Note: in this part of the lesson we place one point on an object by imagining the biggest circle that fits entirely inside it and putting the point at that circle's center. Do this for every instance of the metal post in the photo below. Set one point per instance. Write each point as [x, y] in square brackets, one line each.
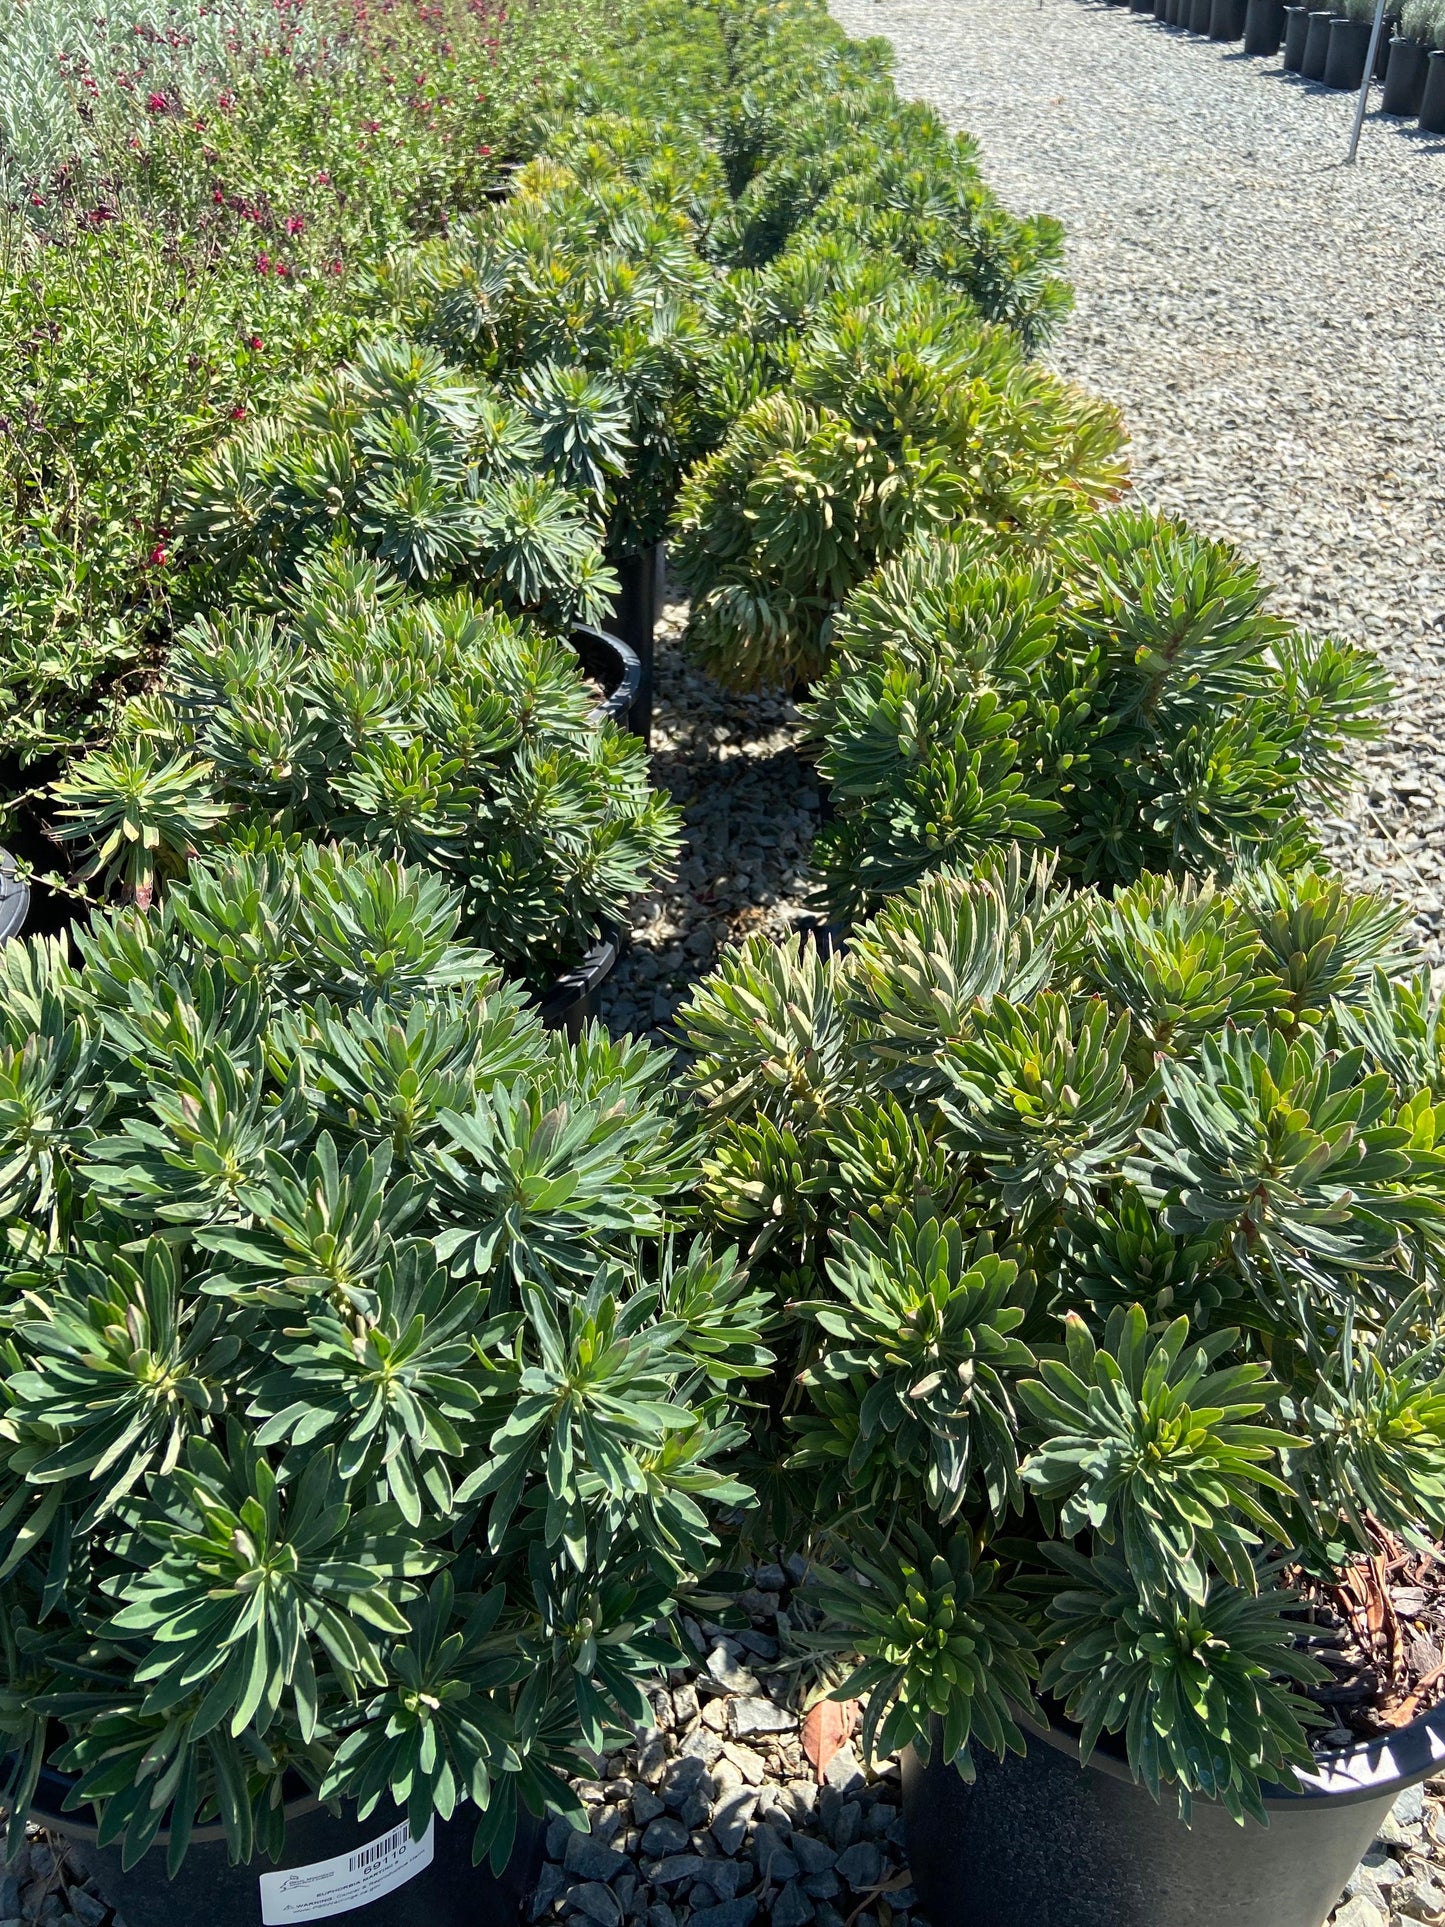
[1366, 83]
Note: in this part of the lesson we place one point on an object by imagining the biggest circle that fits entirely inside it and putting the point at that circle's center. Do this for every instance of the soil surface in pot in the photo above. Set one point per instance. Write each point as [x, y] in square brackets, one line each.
[1381, 1631]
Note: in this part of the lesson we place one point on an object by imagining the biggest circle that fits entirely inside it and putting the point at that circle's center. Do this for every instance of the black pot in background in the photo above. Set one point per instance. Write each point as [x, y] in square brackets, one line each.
[1199, 15]
[1161, 10]
[609, 661]
[1347, 53]
[1388, 30]
[574, 999]
[1432, 98]
[1042, 1842]
[1296, 31]
[1263, 27]
[1226, 19]
[1317, 43]
[449, 1892]
[1405, 78]
[636, 612]
[14, 898]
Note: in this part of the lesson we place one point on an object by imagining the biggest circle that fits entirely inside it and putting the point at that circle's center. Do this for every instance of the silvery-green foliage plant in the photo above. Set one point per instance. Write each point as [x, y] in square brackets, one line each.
[76, 79]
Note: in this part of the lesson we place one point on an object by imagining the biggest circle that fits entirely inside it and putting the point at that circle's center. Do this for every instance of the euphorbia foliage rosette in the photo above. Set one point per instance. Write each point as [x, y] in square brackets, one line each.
[361, 1416]
[1112, 1230]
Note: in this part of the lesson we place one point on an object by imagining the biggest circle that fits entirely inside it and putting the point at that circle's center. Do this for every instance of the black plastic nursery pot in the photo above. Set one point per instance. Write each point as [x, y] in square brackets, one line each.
[574, 998]
[1226, 19]
[367, 1873]
[1405, 78]
[1317, 44]
[635, 615]
[1141, 6]
[613, 666]
[1263, 27]
[1200, 14]
[1161, 11]
[1044, 1842]
[1432, 95]
[1296, 32]
[1347, 53]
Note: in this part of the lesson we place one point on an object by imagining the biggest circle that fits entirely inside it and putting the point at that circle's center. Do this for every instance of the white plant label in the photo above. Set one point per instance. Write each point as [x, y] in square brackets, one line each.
[338, 1886]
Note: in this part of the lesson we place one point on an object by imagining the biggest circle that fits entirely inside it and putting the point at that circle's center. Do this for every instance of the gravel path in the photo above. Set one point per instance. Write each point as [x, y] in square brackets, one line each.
[751, 807]
[1271, 321]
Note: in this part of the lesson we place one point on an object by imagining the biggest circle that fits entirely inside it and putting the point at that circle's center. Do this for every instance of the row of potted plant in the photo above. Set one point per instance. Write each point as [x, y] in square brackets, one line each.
[1072, 1295]
[366, 1412]
[1332, 44]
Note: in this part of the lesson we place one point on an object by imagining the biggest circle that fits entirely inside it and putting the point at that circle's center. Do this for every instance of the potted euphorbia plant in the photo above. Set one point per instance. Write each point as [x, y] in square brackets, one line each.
[1112, 1229]
[1122, 695]
[360, 1420]
[436, 730]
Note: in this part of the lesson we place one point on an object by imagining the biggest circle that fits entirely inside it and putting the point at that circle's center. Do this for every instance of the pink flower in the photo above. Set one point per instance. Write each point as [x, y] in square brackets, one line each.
[238, 413]
[323, 179]
[335, 267]
[156, 104]
[295, 223]
[219, 198]
[159, 556]
[263, 262]
[254, 344]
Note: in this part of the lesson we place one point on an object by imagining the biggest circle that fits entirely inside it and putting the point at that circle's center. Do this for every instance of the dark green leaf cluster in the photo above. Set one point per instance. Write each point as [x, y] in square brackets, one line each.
[437, 732]
[1113, 1229]
[361, 1414]
[439, 479]
[1121, 696]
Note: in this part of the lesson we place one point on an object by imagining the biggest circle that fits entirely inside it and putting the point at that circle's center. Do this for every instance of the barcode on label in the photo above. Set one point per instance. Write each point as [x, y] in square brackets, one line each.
[327, 1888]
[392, 1842]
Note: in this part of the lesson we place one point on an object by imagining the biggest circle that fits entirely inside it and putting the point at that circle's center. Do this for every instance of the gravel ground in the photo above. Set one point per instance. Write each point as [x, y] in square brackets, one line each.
[751, 806]
[1269, 319]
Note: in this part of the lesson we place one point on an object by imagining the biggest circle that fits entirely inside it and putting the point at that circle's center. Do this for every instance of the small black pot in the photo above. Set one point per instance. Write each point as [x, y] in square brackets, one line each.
[501, 187]
[1432, 97]
[1296, 31]
[1263, 27]
[447, 1891]
[635, 616]
[1161, 11]
[609, 661]
[1141, 6]
[1388, 29]
[1200, 14]
[1226, 19]
[1042, 1842]
[14, 899]
[1405, 78]
[575, 998]
[1347, 53]
[1317, 43]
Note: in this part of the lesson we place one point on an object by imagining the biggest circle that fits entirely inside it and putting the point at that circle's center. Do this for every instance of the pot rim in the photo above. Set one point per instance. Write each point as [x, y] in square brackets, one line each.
[14, 898]
[619, 700]
[46, 1810]
[1370, 1770]
[592, 969]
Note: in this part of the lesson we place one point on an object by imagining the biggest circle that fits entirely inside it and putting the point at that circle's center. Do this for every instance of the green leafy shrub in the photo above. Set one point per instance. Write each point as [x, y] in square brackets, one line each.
[196, 201]
[362, 1420]
[900, 418]
[1112, 1233]
[441, 481]
[592, 261]
[438, 732]
[1123, 697]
